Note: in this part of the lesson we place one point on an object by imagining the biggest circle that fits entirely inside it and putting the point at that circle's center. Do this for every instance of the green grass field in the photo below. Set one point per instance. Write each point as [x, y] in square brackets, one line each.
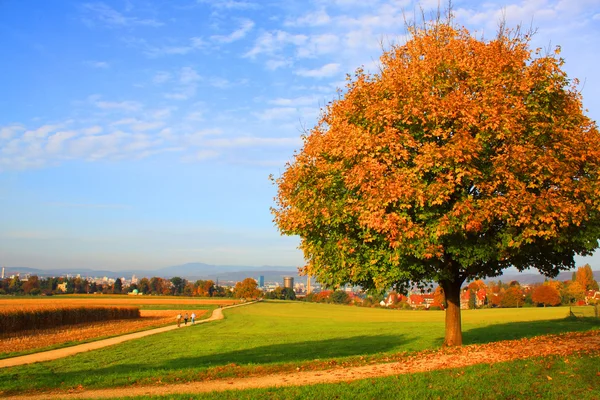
[279, 336]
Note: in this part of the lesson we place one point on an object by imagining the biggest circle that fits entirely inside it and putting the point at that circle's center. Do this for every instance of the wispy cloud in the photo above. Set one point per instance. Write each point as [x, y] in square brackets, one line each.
[229, 4]
[89, 205]
[251, 141]
[273, 42]
[108, 16]
[161, 77]
[246, 26]
[326, 71]
[187, 86]
[118, 105]
[313, 18]
[8, 132]
[97, 64]
[179, 48]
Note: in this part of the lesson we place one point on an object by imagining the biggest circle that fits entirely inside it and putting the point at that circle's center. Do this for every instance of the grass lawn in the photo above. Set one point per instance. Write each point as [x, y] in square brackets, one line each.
[545, 378]
[276, 336]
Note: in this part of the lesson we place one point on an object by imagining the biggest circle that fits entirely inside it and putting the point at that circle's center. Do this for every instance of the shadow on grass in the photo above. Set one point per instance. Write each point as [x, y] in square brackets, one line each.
[119, 374]
[519, 330]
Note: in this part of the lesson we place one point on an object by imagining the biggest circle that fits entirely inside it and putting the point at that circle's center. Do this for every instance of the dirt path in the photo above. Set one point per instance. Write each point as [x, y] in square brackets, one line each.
[490, 353]
[69, 351]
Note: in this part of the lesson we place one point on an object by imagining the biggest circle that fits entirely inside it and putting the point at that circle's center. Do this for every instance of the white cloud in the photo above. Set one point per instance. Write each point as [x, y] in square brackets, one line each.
[119, 105]
[320, 44]
[316, 18]
[188, 84]
[277, 113]
[229, 4]
[188, 75]
[8, 132]
[198, 138]
[272, 42]
[55, 142]
[153, 51]
[110, 17]
[325, 71]
[274, 64]
[161, 77]
[161, 113]
[92, 130]
[251, 141]
[296, 102]
[98, 64]
[41, 132]
[220, 83]
[238, 34]
[201, 155]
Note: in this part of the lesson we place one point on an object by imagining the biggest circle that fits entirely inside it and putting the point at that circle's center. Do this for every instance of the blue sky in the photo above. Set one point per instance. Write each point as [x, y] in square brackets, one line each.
[141, 134]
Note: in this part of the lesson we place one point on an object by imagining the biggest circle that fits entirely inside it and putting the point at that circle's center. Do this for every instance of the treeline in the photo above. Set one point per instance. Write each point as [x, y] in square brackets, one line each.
[175, 286]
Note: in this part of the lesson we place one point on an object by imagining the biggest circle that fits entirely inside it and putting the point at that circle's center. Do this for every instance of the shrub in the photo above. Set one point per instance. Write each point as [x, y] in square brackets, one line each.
[340, 297]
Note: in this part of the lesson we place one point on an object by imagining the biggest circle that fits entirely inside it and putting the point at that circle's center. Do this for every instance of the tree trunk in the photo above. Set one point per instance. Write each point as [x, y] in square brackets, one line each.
[453, 322]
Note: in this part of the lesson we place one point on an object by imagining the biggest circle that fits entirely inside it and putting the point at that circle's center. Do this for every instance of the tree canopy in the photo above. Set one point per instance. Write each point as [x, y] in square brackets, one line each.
[459, 158]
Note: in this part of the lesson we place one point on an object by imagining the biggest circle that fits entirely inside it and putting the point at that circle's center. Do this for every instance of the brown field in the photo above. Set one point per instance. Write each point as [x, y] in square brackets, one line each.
[43, 338]
[100, 300]
[37, 339]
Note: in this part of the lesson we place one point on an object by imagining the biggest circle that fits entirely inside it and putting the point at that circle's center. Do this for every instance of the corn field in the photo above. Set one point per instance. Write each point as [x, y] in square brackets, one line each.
[18, 319]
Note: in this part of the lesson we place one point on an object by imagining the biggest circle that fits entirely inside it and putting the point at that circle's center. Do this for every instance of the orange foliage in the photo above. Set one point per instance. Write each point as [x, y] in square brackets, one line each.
[460, 158]
[546, 295]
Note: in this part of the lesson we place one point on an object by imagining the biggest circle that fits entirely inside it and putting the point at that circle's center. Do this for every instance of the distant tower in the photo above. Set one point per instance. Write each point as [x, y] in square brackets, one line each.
[308, 288]
[288, 282]
[2, 272]
[261, 281]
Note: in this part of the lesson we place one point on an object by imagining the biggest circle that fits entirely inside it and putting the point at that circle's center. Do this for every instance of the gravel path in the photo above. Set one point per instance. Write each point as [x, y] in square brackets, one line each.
[563, 345]
[69, 351]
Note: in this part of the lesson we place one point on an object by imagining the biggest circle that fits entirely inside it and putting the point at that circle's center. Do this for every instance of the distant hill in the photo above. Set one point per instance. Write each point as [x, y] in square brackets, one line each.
[190, 271]
[532, 277]
[198, 270]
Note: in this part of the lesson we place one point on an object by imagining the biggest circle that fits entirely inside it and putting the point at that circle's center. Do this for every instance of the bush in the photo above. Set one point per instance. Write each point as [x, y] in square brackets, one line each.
[404, 306]
[340, 297]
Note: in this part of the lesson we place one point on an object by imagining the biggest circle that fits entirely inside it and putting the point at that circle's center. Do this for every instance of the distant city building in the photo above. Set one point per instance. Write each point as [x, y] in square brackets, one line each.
[288, 282]
[261, 281]
[2, 272]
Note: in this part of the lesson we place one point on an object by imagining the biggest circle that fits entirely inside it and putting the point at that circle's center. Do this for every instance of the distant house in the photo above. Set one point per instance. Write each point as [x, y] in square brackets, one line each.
[416, 301]
[480, 298]
[464, 299]
[62, 287]
[592, 297]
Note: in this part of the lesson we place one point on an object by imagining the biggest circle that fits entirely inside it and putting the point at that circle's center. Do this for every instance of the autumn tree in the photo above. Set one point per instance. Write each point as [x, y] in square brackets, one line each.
[459, 158]
[585, 277]
[31, 284]
[546, 295]
[247, 289]
[513, 297]
[177, 285]
[574, 292]
[144, 286]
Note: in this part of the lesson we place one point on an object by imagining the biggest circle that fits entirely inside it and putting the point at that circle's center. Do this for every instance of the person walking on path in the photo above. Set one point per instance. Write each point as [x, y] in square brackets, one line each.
[178, 320]
[185, 319]
[193, 317]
